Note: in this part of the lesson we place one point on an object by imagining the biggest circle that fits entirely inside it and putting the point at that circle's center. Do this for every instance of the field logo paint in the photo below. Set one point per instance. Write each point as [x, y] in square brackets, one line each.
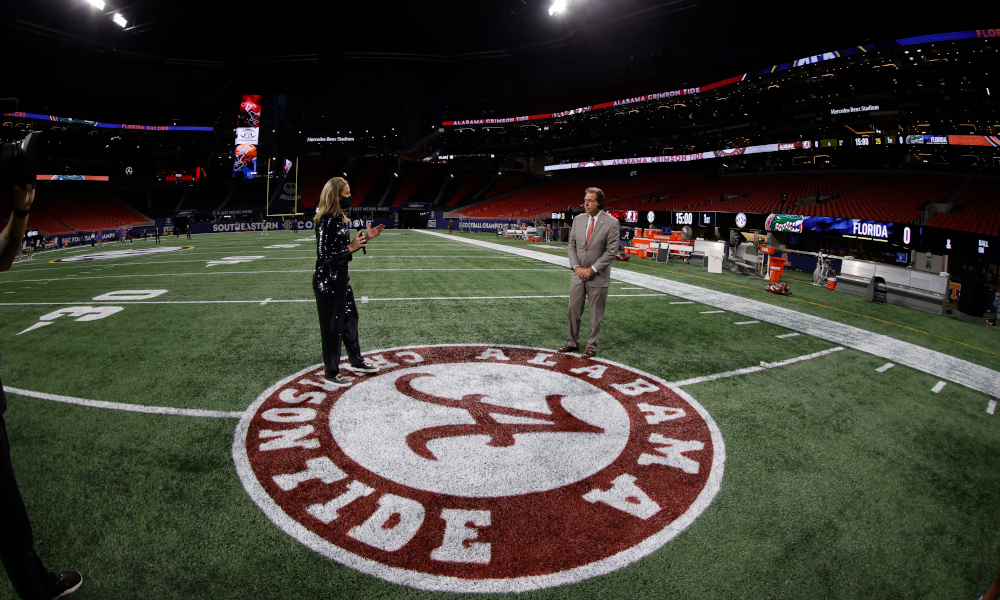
[122, 295]
[475, 468]
[232, 260]
[82, 313]
[120, 254]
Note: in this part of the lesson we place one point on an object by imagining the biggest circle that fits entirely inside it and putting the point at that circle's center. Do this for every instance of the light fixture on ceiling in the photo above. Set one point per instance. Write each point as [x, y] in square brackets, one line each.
[119, 19]
[558, 6]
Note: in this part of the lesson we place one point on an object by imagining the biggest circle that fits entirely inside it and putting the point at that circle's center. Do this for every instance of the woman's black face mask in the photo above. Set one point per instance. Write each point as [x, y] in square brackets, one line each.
[345, 203]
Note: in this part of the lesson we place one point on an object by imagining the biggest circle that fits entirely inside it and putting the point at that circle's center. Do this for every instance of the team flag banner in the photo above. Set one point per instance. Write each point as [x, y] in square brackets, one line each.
[282, 186]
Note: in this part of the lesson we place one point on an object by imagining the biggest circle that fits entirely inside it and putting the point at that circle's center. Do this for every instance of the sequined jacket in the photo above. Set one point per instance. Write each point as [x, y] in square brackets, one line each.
[332, 255]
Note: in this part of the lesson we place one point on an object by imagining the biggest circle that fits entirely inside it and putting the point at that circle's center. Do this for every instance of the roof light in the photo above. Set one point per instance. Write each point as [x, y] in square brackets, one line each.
[98, 4]
[557, 7]
[118, 18]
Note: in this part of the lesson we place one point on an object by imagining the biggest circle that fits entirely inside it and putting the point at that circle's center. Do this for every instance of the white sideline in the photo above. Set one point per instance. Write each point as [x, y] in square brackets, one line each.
[938, 364]
[749, 370]
[156, 410]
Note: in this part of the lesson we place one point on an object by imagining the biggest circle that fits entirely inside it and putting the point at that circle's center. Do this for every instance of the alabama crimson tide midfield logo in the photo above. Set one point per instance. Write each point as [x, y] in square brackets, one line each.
[474, 468]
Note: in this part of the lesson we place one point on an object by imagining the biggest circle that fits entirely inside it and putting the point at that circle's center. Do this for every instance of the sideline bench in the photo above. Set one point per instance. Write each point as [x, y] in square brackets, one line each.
[520, 233]
[918, 290]
[744, 259]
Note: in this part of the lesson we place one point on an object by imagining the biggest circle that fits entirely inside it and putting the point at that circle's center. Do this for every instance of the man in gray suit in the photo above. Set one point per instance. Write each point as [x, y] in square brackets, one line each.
[593, 244]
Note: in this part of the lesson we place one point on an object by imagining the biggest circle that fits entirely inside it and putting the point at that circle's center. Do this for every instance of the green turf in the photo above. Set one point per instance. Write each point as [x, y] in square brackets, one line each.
[840, 482]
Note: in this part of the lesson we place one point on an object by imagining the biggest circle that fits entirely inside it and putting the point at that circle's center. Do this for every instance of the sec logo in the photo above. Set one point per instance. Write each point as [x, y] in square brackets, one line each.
[741, 220]
[473, 468]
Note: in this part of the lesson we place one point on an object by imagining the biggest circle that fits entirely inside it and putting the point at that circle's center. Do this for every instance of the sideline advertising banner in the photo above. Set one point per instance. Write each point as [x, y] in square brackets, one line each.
[915, 237]
[40, 117]
[483, 225]
[855, 228]
[728, 152]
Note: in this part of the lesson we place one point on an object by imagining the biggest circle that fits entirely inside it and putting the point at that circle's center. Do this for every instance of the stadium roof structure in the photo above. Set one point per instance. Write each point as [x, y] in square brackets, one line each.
[183, 60]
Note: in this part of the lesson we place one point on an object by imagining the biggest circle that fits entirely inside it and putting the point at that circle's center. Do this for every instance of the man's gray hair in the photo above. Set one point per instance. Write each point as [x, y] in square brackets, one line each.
[597, 192]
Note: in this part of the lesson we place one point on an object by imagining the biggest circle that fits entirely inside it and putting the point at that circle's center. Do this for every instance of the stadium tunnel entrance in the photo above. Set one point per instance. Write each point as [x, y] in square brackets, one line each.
[417, 219]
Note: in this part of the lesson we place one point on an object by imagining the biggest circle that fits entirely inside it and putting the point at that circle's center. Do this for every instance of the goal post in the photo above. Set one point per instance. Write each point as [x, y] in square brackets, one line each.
[282, 187]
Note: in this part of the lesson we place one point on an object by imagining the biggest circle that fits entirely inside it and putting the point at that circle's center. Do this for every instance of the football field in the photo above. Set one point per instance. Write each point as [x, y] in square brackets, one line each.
[172, 439]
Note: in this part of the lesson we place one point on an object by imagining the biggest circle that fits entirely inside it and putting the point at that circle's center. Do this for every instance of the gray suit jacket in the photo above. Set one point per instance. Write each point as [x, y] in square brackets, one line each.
[600, 252]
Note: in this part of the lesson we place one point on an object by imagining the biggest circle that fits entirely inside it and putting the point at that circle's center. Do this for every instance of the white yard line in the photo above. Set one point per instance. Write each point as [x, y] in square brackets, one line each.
[711, 312]
[885, 367]
[536, 270]
[156, 410]
[682, 303]
[787, 335]
[938, 364]
[748, 370]
[746, 322]
[991, 407]
[311, 256]
[365, 300]
[938, 387]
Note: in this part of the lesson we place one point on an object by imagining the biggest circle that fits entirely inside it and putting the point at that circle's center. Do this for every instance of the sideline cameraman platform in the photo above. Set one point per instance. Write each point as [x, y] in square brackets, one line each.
[30, 578]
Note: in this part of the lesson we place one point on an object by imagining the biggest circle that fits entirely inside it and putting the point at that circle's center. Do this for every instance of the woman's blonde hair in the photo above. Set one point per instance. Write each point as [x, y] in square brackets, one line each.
[329, 200]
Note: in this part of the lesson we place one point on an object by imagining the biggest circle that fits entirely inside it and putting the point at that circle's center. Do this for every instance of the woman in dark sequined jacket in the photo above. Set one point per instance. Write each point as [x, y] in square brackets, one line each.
[338, 314]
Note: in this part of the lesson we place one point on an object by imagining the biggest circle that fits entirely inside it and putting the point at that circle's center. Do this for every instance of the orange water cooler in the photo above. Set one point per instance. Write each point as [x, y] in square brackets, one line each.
[775, 269]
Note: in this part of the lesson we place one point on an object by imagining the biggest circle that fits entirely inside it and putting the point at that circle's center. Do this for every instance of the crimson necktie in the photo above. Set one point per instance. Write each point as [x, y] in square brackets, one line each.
[590, 229]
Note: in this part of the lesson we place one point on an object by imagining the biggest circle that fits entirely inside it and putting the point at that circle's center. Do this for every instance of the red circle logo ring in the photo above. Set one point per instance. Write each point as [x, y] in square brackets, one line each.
[476, 468]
